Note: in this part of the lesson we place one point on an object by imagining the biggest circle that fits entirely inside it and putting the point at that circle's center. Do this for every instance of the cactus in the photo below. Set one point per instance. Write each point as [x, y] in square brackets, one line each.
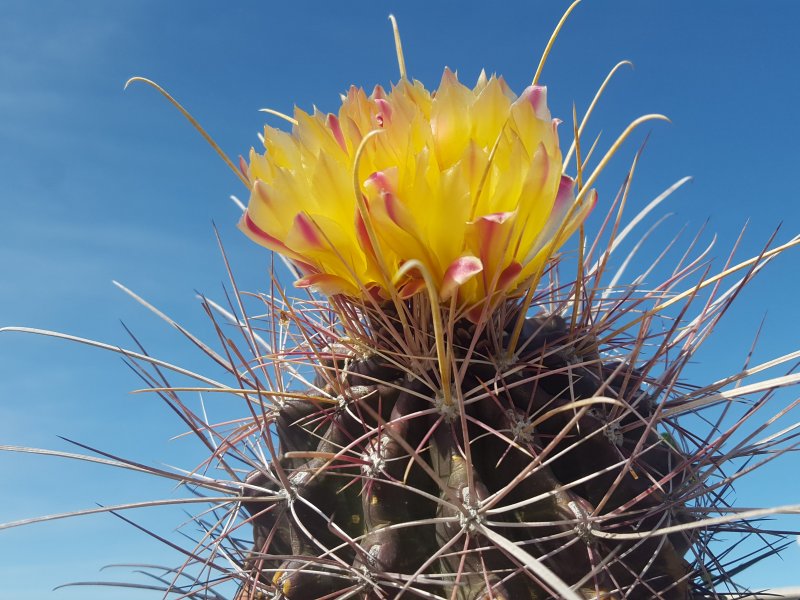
[466, 404]
[480, 425]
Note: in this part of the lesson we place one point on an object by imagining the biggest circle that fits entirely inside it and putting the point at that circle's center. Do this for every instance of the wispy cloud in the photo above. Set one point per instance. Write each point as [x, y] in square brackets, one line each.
[50, 39]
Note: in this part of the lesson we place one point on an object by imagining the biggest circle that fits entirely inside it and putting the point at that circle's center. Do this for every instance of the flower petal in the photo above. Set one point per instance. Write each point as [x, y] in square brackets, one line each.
[459, 272]
[327, 284]
[488, 237]
[450, 119]
[261, 237]
[489, 113]
[336, 130]
[411, 288]
[530, 119]
[509, 276]
[564, 200]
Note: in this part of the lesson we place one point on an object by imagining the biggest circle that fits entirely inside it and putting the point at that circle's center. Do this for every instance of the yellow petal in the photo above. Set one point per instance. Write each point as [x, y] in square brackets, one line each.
[450, 122]
[489, 113]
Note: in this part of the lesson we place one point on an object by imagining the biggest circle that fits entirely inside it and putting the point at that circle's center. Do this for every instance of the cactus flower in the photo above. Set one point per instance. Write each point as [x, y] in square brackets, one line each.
[466, 182]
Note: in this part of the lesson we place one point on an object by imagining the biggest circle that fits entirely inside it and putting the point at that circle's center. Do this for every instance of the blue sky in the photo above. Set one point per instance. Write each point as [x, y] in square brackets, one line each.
[99, 184]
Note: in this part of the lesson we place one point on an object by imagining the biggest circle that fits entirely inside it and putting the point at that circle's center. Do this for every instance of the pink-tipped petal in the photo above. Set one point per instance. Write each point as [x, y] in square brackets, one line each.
[566, 194]
[497, 218]
[411, 288]
[305, 268]
[253, 231]
[459, 272]
[380, 187]
[564, 200]
[398, 213]
[384, 116]
[260, 189]
[336, 129]
[392, 208]
[258, 235]
[363, 237]
[537, 96]
[329, 285]
[308, 231]
[555, 222]
[488, 225]
[383, 181]
[488, 238]
[580, 215]
[508, 276]
[378, 92]
[448, 78]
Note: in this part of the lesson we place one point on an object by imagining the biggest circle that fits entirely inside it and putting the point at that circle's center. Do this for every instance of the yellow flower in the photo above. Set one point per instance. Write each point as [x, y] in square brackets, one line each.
[467, 182]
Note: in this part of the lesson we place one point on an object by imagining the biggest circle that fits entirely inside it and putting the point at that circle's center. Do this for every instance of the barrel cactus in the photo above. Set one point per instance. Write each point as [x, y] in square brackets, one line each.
[468, 402]
[485, 419]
